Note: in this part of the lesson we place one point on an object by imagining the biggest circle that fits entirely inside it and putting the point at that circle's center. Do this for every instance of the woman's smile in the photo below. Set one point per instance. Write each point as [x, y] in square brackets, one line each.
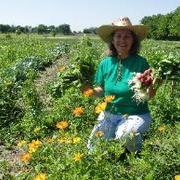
[122, 41]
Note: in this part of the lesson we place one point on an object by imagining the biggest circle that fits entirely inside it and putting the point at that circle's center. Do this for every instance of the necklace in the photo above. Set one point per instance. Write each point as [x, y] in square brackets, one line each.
[119, 71]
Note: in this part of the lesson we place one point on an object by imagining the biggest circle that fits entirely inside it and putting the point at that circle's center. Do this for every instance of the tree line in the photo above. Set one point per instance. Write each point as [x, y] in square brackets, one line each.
[40, 29]
[163, 27]
[43, 29]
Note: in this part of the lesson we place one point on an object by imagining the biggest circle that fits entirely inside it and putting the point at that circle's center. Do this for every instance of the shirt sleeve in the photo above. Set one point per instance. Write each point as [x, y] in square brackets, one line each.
[99, 75]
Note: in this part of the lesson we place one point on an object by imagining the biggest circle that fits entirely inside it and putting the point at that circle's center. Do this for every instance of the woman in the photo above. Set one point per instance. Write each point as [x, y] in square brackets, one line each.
[112, 77]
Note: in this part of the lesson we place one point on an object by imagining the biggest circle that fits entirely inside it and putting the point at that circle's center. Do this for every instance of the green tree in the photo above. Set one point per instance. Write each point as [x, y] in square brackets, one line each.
[164, 27]
[5, 28]
[41, 29]
[174, 25]
[91, 30]
[64, 29]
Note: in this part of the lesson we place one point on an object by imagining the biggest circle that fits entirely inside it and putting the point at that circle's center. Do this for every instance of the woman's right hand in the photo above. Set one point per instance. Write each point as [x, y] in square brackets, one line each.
[98, 91]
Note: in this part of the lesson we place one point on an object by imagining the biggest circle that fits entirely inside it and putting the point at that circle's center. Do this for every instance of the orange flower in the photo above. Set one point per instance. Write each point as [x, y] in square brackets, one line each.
[88, 92]
[40, 176]
[100, 107]
[34, 145]
[78, 111]
[62, 124]
[108, 99]
[25, 157]
[99, 133]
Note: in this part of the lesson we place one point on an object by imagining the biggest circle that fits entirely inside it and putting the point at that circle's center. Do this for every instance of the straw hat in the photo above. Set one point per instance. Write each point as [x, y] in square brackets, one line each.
[105, 31]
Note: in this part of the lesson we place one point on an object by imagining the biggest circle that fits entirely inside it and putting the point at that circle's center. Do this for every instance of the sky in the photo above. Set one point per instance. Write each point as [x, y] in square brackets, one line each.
[80, 14]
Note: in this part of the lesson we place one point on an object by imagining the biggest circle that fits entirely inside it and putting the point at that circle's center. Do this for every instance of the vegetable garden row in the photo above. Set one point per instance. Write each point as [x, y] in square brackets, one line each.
[51, 138]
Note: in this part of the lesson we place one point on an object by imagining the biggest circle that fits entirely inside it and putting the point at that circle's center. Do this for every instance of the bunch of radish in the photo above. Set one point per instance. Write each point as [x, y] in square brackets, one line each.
[146, 77]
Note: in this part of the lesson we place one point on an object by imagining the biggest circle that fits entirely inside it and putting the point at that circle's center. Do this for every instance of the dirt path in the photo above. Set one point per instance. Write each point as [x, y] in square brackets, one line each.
[10, 158]
[45, 77]
[9, 161]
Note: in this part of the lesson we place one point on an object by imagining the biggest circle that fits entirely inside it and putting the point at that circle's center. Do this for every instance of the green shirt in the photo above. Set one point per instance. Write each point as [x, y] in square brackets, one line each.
[106, 77]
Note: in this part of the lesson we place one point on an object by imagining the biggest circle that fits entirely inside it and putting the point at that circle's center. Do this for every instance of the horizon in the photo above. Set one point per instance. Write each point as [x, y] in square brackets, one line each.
[80, 14]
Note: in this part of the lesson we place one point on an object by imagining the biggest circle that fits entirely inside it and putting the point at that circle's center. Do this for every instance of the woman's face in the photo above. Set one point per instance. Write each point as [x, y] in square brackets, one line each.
[122, 41]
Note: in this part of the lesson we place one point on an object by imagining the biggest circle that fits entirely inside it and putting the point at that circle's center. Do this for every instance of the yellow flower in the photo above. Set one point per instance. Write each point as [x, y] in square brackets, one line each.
[177, 177]
[108, 99]
[77, 156]
[34, 145]
[62, 68]
[65, 140]
[36, 130]
[68, 141]
[100, 107]
[62, 124]
[62, 140]
[76, 140]
[49, 140]
[88, 92]
[78, 111]
[162, 128]
[40, 176]
[8, 83]
[25, 157]
[21, 143]
[99, 133]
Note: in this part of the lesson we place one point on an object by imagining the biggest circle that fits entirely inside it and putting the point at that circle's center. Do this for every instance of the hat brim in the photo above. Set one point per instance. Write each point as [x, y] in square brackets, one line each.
[105, 31]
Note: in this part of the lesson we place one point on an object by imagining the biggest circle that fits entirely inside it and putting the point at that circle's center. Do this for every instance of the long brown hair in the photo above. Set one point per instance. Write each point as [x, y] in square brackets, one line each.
[134, 48]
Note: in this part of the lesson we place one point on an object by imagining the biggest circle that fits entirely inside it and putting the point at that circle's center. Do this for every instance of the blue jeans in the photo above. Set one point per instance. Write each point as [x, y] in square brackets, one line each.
[129, 128]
